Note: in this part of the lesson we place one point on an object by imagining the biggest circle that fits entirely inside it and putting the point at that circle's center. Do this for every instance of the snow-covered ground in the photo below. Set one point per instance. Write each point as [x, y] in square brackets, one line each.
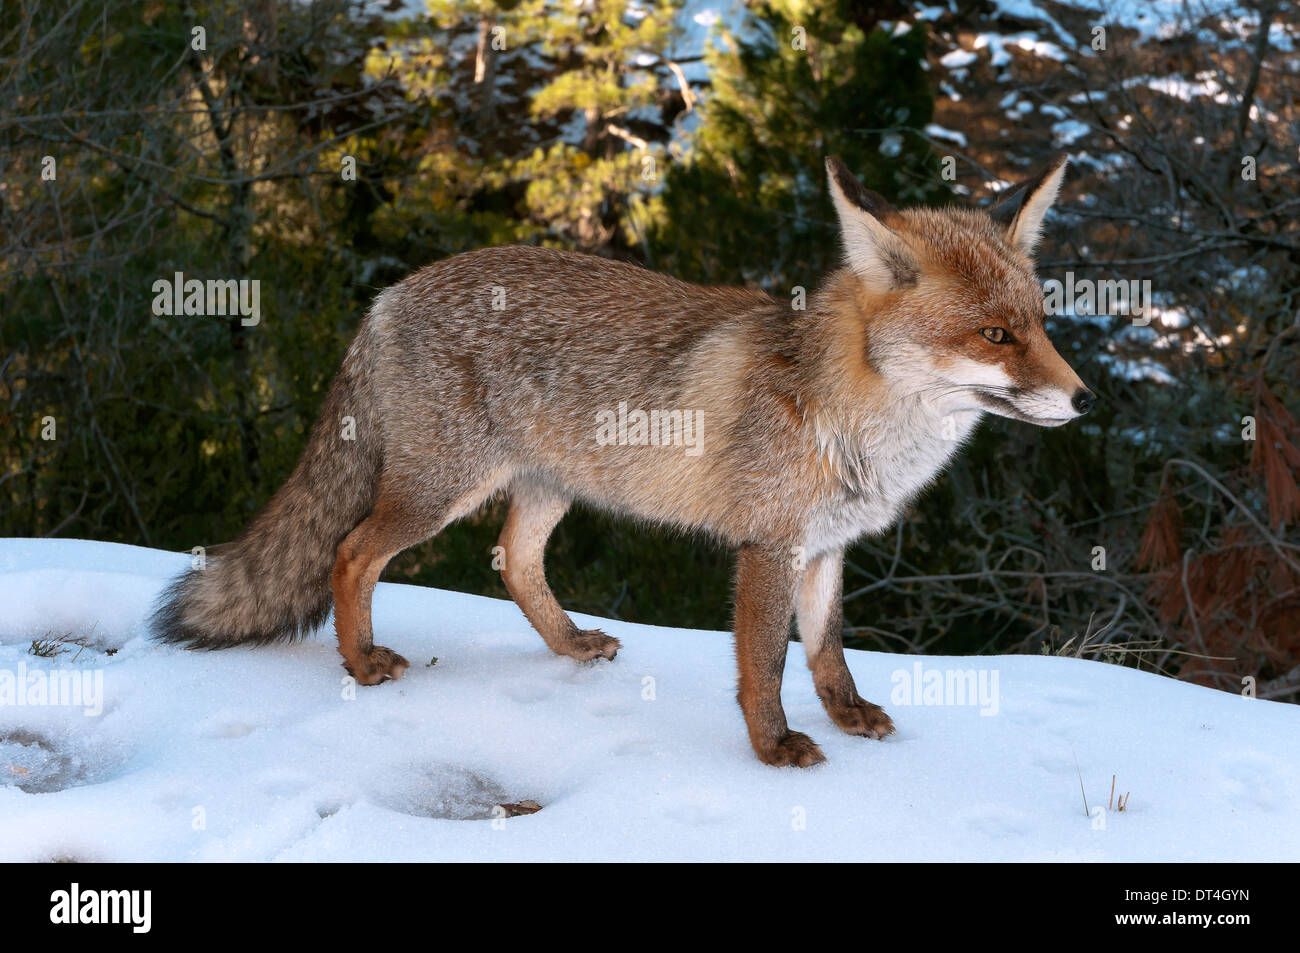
[263, 755]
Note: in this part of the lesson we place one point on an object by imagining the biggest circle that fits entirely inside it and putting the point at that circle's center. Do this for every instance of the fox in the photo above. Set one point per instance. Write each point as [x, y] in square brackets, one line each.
[490, 373]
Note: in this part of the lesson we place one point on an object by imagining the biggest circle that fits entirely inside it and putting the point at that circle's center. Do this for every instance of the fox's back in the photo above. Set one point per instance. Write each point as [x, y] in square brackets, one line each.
[559, 307]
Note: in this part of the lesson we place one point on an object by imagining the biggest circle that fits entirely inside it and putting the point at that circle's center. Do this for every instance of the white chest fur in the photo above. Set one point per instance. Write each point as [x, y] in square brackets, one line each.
[882, 471]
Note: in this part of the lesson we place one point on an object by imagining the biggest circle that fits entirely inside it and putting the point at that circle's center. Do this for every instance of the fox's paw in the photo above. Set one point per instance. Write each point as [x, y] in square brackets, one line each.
[377, 665]
[861, 718]
[587, 644]
[793, 749]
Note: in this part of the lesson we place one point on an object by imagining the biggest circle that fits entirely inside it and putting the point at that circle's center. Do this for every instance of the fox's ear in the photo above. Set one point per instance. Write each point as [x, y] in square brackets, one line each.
[875, 252]
[1021, 210]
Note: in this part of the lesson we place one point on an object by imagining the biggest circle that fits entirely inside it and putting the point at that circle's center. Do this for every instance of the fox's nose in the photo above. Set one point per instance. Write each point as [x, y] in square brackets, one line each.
[1083, 400]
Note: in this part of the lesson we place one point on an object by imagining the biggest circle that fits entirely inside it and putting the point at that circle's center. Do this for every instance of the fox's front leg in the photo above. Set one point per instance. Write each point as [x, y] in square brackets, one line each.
[765, 582]
[819, 609]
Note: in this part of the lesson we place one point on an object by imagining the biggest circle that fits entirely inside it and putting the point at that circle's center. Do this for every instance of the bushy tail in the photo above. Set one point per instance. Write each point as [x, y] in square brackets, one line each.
[273, 582]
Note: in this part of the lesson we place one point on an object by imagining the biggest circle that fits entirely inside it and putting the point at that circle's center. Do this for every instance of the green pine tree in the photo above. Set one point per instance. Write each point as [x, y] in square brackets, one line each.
[749, 202]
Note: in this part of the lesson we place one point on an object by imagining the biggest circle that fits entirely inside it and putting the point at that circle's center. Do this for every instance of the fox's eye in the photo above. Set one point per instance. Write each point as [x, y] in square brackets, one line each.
[996, 335]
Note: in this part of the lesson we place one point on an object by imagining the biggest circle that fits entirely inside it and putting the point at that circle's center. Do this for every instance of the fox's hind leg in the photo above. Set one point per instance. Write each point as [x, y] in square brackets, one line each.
[819, 610]
[534, 513]
[398, 521]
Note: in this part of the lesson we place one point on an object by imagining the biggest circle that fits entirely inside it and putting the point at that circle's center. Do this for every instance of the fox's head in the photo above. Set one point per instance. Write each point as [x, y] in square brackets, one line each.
[954, 311]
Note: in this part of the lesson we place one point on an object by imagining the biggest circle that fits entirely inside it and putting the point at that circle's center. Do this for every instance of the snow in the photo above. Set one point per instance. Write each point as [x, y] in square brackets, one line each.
[1137, 369]
[257, 754]
[956, 59]
[1067, 132]
[997, 44]
[935, 131]
[1151, 20]
[1031, 10]
[698, 23]
[1206, 86]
